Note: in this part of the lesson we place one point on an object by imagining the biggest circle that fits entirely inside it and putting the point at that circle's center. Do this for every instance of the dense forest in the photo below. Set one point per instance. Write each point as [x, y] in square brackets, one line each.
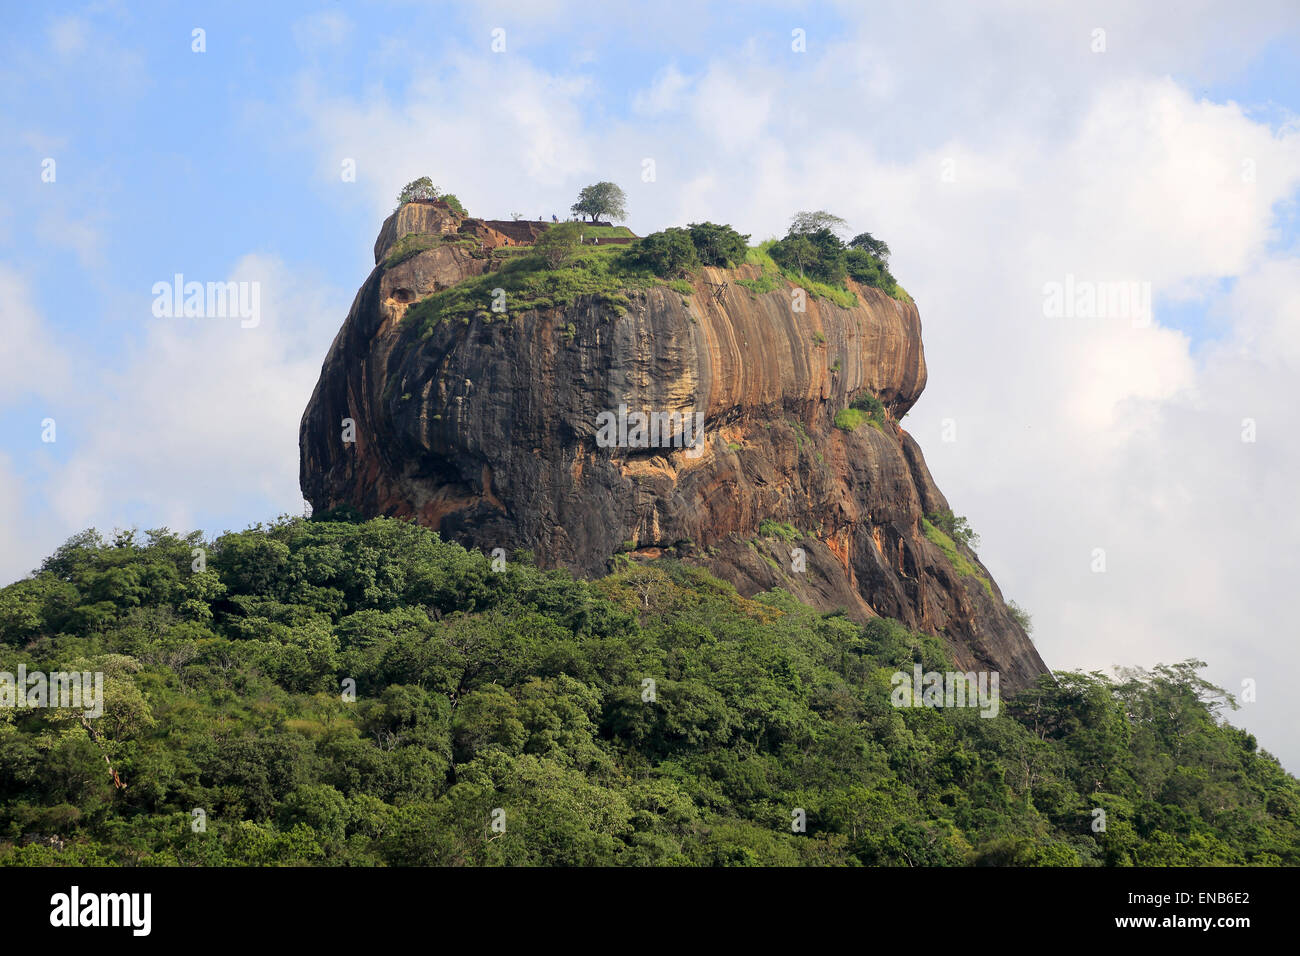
[340, 693]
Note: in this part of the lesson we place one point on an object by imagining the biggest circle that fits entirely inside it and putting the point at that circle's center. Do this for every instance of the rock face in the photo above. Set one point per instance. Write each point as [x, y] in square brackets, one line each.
[487, 432]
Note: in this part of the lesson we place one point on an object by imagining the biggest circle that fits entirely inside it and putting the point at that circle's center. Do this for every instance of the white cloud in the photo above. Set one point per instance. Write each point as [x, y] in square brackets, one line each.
[31, 360]
[204, 411]
[664, 93]
[68, 35]
[200, 421]
[499, 133]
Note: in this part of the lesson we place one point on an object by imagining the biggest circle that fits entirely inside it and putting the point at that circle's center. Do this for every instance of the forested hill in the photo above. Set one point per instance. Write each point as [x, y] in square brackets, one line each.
[501, 717]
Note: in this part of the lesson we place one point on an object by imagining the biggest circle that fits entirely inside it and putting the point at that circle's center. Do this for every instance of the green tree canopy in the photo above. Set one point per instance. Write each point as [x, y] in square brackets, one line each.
[819, 255]
[369, 694]
[418, 189]
[871, 245]
[717, 245]
[807, 223]
[558, 243]
[601, 199]
[669, 253]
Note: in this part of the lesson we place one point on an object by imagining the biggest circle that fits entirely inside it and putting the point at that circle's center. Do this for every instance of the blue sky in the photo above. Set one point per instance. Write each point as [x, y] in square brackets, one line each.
[1122, 163]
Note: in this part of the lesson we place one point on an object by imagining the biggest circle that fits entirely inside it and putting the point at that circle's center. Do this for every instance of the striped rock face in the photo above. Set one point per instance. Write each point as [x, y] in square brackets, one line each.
[525, 433]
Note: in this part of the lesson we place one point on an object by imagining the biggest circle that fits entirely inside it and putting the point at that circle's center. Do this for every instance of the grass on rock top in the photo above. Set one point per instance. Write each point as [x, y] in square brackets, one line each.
[601, 273]
[411, 245]
[605, 232]
[772, 275]
[605, 273]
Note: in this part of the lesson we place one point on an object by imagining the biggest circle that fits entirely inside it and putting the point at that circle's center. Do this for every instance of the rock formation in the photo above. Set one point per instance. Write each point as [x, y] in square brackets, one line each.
[487, 432]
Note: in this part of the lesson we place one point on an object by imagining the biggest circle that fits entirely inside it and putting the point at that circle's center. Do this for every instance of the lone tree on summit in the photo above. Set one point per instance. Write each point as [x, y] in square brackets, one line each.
[602, 199]
[422, 188]
[807, 223]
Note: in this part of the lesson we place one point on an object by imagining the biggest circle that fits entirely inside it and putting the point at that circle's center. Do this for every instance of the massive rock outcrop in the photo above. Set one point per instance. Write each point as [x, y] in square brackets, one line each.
[487, 432]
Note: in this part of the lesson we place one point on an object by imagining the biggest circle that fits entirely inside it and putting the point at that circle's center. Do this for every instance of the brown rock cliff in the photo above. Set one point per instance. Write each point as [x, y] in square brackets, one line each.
[486, 431]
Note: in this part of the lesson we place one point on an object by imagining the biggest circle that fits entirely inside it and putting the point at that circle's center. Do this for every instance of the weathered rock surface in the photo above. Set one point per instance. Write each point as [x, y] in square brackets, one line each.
[486, 431]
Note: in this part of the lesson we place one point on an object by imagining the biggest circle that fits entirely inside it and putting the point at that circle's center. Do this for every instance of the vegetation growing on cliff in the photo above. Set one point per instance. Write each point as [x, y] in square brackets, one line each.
[423, 190]
[812, 249]
[411, 245]
[565, 265]
[865, 408]
[528, 282]
[955, 526]
[778, 529]
[773, 276]
[964, 565]
[557, 271]
[522, 695]
[848, 419]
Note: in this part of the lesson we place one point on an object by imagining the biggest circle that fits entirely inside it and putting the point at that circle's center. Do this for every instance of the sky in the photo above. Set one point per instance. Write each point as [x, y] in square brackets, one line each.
[1127, 473]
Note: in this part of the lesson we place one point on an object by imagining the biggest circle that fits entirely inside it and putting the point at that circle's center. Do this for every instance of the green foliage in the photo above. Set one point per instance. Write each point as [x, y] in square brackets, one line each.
[424, 189]
[867, 269]
[778, 529]
[818, 255]
[1021, 617]
[812, 249]
[414, 243]
[773, 275]
[848, 419]
[522, 689]
[874, 247]
[956, 527]
[873, 406]
[669, 254]
[601, 199]
[963, 565]
[558, 244]
[809, 223]
[601, 273]
[866, 408]
[418, 189]
[767, 282]
[717, 245]
[590, 231]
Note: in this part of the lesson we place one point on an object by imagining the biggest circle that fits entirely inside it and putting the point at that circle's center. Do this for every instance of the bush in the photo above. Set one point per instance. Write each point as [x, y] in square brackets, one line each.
[870, 270]
[717, 245]
[669, 254]
[417, 190]
[1021, 616]
[963, 565]
[848, 419]
[956, 527]
[873, 406]
[868, 243]
[778, 529]
[819, 255]
[558, 244]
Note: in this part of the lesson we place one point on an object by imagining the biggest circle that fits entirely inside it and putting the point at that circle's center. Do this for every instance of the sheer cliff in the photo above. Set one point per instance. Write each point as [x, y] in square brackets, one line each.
[486, 429]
